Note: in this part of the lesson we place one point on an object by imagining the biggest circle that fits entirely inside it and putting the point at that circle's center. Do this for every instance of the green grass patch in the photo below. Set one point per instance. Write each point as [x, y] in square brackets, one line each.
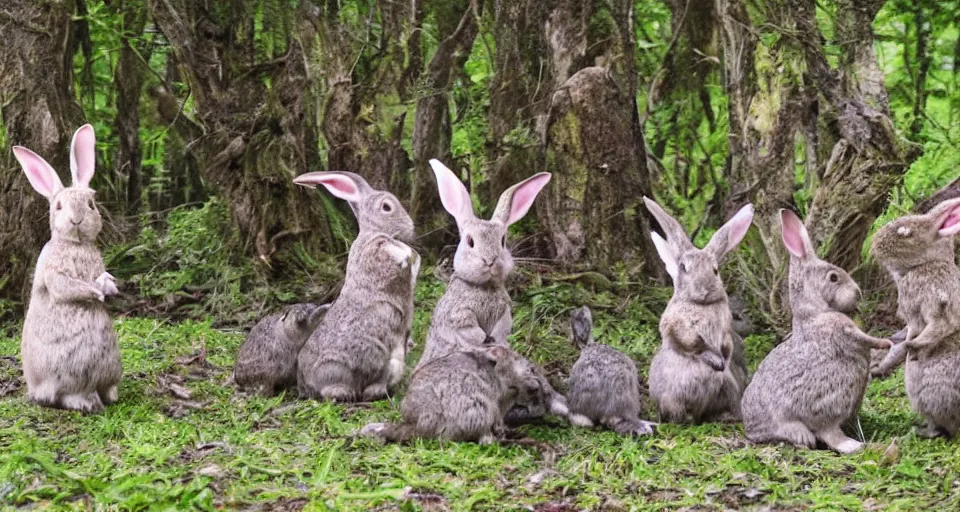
[222, 450]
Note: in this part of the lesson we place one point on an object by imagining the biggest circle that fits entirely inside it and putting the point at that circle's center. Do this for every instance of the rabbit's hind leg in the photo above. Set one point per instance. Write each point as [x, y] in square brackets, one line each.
[580, 420]
[83, 402]
[374, 392]
[796, 433]
[44, 393]
[109, 395]
[837, 441]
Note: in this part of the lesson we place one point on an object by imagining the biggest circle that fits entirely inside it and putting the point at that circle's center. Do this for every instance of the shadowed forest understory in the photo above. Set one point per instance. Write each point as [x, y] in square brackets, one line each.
[845, 111]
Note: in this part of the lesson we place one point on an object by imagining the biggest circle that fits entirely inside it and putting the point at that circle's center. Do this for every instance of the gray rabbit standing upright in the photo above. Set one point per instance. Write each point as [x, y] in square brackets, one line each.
[808, 386]
[267, 360]
[70, 355]
[356, 352]
[918, 252]
[604, 386]
[700, 370]
[374, 312]
[476, 306]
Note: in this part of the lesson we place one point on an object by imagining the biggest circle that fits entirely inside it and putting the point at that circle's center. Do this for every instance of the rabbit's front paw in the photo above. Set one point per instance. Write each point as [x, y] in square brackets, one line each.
[107, 284]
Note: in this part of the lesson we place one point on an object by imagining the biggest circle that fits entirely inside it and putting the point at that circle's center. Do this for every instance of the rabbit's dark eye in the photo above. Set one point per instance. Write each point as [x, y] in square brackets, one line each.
[834, 278]
[470, 241]
[386, 207]
[91, 205]
[59, 206]
[716, 271]
[503, 241]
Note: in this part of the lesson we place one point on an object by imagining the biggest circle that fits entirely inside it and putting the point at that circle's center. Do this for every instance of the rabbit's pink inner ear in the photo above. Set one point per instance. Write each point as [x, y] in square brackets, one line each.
[83, 156]
[453, 195]
[524, 195]
[41, 175]
[793, 230]
[667, 255]
[341, 186]
[951, 224]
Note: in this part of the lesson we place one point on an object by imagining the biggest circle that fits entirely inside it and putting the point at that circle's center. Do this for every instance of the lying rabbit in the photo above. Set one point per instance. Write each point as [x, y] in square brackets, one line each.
[461, 396]
[700, 370]
[357, 351]
[267, 360]
[918, 252]
[604, 387]
[808, 386]
[69, 348]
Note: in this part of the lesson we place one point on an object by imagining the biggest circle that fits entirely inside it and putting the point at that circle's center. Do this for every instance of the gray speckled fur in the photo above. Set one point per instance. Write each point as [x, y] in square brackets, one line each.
[70, 355]
[918, 252]
[353, 354]
[267, 361]
[604, 386]
[461, 396]
[810, 385]
[700, 370]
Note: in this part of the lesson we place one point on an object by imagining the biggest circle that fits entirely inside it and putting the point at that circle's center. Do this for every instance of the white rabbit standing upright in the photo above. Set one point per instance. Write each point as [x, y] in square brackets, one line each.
[69, 347]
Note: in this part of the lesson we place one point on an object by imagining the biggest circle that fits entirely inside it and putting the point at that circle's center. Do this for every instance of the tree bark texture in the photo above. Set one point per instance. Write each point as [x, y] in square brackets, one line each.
[592, 209]
[254, 138]
[40, 112]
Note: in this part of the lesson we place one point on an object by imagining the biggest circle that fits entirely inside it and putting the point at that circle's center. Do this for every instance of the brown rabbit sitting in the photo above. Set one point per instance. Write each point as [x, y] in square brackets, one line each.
[69, 348]
[357, 351]
[700, 370]
[809, 385]
[267, 360]
[604, 387]
[918, 252]
[461, 396]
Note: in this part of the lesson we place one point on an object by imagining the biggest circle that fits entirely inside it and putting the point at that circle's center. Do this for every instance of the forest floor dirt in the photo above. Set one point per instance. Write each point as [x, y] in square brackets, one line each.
[182, 437]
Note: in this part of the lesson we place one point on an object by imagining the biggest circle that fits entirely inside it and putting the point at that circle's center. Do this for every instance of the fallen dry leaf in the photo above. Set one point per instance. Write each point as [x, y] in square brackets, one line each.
[892, 454]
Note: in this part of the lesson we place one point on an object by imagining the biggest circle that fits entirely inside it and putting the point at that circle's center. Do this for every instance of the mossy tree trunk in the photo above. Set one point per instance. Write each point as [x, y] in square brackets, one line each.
[255, 116]
[866, 157]
[39, 111]
[593, 209]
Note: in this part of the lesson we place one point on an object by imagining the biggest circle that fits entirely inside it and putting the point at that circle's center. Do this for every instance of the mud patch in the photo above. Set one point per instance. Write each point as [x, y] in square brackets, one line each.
[11, 380]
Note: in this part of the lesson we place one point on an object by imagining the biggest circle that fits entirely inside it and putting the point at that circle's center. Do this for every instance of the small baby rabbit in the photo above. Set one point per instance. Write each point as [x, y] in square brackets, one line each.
[808, 386]
[918, 252]
[604, 387]
[476, 303]
[267, 360]
[70, 355]
[377, 211]
[357, 351]
[461, 396]
[700, 370]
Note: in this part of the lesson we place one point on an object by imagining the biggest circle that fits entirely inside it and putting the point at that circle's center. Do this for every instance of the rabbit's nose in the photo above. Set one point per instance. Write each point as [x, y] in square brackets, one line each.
[76, 222]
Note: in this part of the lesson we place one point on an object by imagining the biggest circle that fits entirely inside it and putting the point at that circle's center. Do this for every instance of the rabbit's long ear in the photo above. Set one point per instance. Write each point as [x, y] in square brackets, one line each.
[453, 195]
[42, 177]
[516, 201]
[730, 234]
[667, 254]
[676, 236]
[946, 217]
[83, 156]
[795, 236]
[346, 185]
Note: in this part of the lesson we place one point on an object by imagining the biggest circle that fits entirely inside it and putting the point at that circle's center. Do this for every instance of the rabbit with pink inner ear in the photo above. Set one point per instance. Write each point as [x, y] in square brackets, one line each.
[358, 351]
[808, 386]
[700, 370]
[918, 252]
[69, 349]
[476, 305]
